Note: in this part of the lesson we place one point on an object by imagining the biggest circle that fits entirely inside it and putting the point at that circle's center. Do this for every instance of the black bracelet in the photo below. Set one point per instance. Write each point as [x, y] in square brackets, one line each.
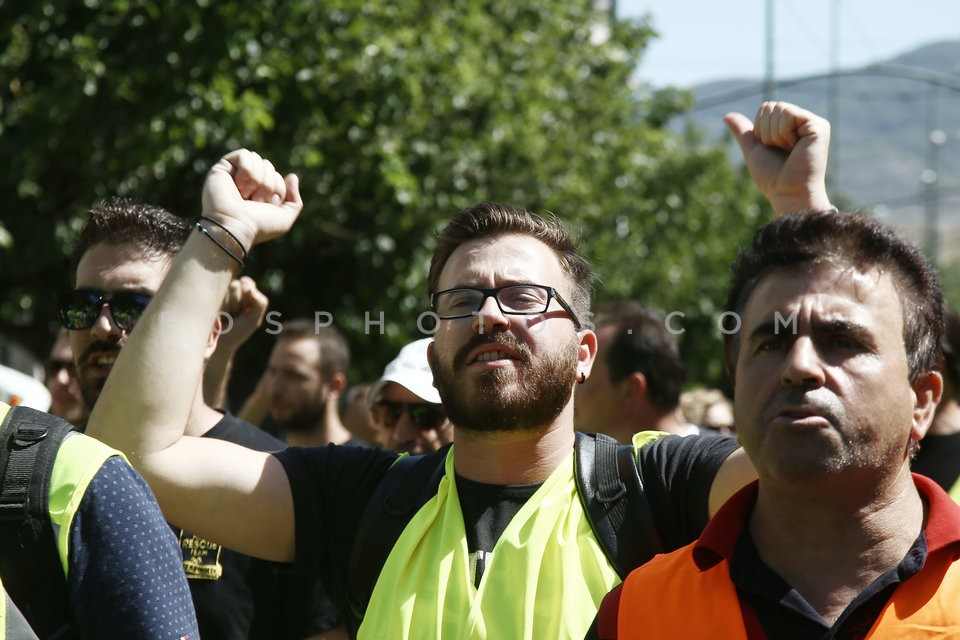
[243, 250]
[217, 242]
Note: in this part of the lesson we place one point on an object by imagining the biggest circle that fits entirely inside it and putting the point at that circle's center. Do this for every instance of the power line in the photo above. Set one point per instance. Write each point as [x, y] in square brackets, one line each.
[927, 76]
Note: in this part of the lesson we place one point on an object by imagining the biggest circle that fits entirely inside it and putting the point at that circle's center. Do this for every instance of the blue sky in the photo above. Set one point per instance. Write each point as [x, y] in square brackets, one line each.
[704, 40]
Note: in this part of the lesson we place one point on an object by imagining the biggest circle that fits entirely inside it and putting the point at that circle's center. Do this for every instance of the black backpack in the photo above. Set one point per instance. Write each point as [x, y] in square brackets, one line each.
[608, 483]
[29, 563]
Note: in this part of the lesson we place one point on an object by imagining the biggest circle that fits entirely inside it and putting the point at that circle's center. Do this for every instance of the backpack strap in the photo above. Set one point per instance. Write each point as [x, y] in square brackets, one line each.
[407, 486]
[612, 495]
[30, 565]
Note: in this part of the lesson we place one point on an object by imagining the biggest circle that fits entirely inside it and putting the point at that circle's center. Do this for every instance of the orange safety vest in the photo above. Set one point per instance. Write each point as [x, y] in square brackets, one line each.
[671, 597]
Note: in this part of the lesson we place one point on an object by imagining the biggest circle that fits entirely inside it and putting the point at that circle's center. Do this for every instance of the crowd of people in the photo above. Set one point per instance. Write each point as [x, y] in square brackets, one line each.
[519, 474]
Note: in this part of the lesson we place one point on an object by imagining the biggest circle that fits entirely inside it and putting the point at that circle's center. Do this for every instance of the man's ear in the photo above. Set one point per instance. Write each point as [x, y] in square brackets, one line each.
[587, 353]
[927, 391]
[635, 386]
[337, 382]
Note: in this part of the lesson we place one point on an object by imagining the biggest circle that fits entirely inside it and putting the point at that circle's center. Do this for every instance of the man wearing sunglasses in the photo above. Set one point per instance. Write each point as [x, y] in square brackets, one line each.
[122, 255]
[61, 380]
[405, 405]
[511, 292]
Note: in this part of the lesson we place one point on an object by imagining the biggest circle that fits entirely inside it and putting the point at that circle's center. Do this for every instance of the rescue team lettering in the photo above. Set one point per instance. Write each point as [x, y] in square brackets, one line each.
[201, 558]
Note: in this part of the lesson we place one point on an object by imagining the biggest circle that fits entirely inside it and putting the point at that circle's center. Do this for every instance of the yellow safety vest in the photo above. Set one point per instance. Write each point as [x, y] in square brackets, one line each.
[546, 577]
[77, 461]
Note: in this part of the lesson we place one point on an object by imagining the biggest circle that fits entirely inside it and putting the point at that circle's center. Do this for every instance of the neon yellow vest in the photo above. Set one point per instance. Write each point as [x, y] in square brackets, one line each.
[78, 460]
[546, 577]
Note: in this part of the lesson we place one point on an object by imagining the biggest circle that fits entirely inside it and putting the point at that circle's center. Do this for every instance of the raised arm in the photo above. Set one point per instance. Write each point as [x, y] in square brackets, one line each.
[224, 492]
[785, 149]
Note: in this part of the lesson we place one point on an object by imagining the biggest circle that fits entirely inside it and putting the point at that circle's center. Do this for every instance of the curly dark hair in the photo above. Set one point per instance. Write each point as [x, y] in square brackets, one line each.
[116, 220]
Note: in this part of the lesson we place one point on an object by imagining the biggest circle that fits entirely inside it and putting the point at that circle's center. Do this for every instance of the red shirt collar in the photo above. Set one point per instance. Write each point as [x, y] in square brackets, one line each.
[720, 536]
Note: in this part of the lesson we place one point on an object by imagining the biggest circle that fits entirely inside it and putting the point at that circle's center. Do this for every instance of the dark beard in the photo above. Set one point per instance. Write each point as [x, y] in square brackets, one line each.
[540, 394]
[91, 387]
[304, 421]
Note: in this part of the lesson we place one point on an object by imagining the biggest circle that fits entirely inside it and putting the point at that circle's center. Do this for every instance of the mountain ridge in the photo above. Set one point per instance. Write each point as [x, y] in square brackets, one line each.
[881, 148]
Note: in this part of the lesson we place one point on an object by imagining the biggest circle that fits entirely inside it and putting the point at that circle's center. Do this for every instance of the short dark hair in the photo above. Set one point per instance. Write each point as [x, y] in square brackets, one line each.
[493, 219]
[116, 220]
[641, 343]
[334, 350]
[849, 239]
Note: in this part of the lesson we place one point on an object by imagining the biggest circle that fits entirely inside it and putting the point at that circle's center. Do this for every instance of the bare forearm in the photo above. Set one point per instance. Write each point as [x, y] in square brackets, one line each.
[147, 398]
[814, 199]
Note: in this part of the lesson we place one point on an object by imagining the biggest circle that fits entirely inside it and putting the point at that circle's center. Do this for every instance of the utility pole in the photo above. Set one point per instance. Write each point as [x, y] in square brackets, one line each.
[833, 96]
[930, 178]
[769, 85]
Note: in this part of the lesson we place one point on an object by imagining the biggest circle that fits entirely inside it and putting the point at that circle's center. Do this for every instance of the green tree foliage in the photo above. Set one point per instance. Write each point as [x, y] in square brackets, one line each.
[394, 114]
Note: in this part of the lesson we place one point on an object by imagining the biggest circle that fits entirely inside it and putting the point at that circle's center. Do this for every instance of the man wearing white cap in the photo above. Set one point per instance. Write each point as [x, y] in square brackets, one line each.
[406, 406]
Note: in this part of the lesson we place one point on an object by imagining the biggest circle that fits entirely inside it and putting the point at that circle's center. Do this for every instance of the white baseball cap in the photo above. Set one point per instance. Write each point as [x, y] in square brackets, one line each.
[19, 388]
[410, 369]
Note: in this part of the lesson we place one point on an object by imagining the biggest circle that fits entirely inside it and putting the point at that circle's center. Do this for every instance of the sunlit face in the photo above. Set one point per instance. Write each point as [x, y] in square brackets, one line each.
[298, 394]
[109, 268]
[719, 416]
[404, 435]
[496, 371]
[833, 396]
[66, 401]
[599, 399]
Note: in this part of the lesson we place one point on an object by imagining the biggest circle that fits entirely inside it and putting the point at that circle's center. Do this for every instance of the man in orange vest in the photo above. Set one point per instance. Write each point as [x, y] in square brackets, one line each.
[832, 346]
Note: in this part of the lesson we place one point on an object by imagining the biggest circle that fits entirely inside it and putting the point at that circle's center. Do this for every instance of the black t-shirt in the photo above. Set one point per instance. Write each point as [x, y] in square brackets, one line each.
[939, 459]
[238, 597]
[331, 486]
[487, 510]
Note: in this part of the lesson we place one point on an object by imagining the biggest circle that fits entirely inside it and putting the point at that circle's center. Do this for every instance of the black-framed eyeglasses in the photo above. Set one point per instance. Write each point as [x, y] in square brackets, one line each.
[423, 415]
[80, 308]
[513, 299]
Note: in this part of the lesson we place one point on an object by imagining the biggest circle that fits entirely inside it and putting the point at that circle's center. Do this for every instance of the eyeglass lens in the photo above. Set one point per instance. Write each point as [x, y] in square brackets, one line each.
[514, 298]
[423, 415]
[80, 309]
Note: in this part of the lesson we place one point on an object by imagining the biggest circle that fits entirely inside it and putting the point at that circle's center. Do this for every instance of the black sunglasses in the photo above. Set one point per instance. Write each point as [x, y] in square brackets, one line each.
[79, 309]
[424, 415]
[53, 366]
